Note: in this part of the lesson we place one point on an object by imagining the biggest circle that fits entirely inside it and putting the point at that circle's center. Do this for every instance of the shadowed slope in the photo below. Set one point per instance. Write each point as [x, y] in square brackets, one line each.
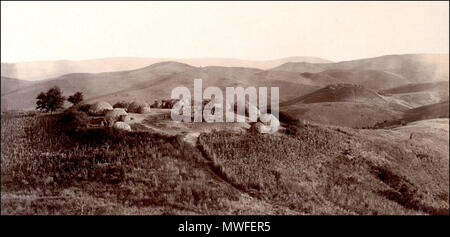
[412, 67]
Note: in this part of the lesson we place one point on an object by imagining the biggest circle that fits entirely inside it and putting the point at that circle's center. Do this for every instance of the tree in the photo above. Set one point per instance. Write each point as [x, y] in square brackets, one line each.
[41, 104]
[50, 101]
[76, 98]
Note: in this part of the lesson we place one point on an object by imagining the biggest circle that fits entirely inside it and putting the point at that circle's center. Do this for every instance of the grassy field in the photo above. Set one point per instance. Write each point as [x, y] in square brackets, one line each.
[332, 170]
[47, 169]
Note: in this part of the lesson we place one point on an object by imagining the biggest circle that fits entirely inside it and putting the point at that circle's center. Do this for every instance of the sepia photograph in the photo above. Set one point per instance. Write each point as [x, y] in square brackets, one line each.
[209, 108]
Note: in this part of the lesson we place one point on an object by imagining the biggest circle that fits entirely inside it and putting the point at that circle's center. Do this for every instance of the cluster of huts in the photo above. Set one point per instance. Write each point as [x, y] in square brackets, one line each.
[267, 123]
[164, 104]
[116, 116]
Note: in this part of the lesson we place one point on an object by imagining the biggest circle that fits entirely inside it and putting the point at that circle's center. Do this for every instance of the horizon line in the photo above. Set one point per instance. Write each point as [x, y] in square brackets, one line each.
[229, 58]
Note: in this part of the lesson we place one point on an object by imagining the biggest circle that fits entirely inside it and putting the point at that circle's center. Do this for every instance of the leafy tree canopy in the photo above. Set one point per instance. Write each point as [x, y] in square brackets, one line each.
[51, 100]
[76, 98]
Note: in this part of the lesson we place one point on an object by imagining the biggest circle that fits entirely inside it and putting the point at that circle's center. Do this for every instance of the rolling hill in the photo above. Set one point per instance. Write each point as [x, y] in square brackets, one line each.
[301, 67]
[344, 105]
[438, 110]
[356, 106]
[420, 94]
[374, 79]
[316, 170]
[404, 82]
[40, 70]
[339, 93]
[371, 90]
[417, 87]
[415, 68]
[309, 168]
[155, 82]
[433, 111]
[346, 114]
[11, 84]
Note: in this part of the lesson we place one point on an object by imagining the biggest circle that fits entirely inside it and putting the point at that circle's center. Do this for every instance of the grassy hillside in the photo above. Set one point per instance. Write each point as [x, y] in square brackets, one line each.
[428, 112]
[374, 79]
[156, 82]
[417, 87]
[311, 170]
[348, 114]
[294, 79]
[360, 115]
[330, 170]
[339, 93]
[433, 111]
[420, 94]
[344, 105]
[415, 68]
[12, 84]
[45, 171]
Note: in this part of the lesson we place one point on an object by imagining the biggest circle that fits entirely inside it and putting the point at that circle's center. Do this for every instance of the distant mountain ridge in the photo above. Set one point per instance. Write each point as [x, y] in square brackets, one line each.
[40, 70]
[11, 84]
[338, 93]
[368, 79]
[416, 67]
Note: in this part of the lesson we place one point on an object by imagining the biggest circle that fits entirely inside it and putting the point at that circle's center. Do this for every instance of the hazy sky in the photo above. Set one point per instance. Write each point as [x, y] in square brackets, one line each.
[248, 30]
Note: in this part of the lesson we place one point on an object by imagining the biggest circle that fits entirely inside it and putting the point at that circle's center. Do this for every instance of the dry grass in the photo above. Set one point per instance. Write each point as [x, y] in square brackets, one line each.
[110, 173]
[48, 169]
[332, 171]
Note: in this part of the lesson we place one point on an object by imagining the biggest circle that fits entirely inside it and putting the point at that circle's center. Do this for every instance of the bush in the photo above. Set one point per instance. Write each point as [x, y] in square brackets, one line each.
[293, 125]
[121, 104]
[76, 98]
[84, 107]
[72, 120]
[51, 100]
[81, 107]
[138, 107]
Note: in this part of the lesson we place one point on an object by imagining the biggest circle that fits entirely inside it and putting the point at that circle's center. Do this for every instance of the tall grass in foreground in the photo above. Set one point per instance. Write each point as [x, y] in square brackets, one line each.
[134, 170]
[48, 167]
[319, 170]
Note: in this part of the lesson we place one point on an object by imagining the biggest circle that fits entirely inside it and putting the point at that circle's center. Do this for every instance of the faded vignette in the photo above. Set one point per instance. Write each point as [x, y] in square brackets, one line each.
[205, 108]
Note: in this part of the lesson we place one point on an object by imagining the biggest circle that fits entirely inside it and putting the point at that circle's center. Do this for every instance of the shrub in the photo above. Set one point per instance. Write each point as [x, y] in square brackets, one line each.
[72, 120]
[115, 115]
[84, 107]
[138, 107]
[50, 101]
[121, 104]
[100, 108]
[76, 98]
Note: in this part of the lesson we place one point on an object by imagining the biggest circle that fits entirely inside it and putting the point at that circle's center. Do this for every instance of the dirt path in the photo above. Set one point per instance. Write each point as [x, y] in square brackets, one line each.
[246, 200]
[247, 204]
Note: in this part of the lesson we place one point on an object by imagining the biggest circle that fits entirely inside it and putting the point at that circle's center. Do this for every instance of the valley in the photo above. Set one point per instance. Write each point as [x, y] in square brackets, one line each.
[361, 137]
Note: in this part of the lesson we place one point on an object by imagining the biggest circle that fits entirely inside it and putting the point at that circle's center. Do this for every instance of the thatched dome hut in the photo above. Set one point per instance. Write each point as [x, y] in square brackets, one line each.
[256, 127]
[270, 122]
[115, 115]
[121, 104]
[157, 104]
[139, 107]
[100, 108]
[121, 126]
[126, 118]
